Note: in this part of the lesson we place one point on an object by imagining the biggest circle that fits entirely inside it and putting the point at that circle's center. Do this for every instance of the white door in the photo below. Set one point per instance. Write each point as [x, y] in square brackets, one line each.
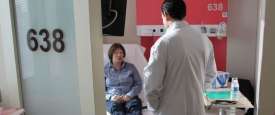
[49, 55]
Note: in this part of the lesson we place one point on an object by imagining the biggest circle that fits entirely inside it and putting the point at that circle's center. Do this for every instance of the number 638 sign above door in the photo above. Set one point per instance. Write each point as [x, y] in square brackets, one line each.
[45, 45]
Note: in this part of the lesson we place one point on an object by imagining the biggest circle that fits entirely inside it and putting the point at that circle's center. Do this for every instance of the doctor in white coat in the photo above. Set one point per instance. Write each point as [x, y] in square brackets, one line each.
[180, 67]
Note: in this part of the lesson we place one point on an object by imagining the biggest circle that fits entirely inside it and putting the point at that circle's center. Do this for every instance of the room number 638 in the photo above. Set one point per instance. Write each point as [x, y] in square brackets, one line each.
[58, 43]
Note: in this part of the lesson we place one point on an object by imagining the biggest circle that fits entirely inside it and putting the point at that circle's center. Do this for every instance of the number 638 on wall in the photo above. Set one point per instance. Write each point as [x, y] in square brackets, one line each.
[46, 44]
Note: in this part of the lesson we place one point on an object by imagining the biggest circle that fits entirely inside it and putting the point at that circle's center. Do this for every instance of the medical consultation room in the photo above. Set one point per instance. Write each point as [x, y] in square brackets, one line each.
[56, 56]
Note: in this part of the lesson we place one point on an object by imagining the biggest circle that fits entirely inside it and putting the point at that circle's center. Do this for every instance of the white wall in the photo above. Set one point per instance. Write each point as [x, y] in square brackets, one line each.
[242, 38]
[267, 94]
[130, 35]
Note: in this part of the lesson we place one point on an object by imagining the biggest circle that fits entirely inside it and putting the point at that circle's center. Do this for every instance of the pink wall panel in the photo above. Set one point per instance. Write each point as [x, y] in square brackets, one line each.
[220, 52]
[197, 11]
[148, 13]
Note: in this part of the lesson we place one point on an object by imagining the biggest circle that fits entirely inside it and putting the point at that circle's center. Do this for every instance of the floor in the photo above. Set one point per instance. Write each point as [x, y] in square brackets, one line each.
[213, 111]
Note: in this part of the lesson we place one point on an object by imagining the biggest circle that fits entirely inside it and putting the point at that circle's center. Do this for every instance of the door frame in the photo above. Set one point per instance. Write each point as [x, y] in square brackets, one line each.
[90, 63]
[12, 87]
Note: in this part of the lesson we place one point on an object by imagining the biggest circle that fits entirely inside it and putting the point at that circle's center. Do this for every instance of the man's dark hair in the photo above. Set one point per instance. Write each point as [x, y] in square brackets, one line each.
[176, 9]
[113, 48]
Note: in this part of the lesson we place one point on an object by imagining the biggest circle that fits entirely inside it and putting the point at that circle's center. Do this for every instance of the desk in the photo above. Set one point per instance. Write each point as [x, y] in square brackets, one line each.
[230, 109]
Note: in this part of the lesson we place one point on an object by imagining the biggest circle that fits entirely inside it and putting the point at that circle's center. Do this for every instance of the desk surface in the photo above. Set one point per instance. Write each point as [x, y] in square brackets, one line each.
[242, 102]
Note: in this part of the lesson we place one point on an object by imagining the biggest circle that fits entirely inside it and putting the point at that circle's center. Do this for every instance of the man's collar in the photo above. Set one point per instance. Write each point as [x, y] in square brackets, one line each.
[177, 24]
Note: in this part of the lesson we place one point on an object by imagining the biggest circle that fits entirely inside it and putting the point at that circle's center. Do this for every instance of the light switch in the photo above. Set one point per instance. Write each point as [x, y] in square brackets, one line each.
[150, 30]
[214, 30]
[218, 30]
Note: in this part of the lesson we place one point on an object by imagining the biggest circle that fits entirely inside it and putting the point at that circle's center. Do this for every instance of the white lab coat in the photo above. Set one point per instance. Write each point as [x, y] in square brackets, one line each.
[181, 65]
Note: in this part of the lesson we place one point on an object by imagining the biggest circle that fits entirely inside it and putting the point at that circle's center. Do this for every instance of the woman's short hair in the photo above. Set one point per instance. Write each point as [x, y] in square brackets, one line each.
[176, 9]
[113, 48]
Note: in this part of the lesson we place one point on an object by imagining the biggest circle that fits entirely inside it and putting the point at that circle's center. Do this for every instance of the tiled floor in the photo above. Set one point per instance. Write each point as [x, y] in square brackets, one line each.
[213, 111]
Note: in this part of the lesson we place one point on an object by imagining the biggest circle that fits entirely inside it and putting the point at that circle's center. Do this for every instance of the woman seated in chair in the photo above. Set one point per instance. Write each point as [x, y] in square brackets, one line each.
[122, 84]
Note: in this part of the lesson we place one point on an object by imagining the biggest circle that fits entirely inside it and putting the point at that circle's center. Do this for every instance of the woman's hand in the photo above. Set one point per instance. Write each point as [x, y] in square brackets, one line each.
[117, 98]
[126, 98]
[121, 99]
